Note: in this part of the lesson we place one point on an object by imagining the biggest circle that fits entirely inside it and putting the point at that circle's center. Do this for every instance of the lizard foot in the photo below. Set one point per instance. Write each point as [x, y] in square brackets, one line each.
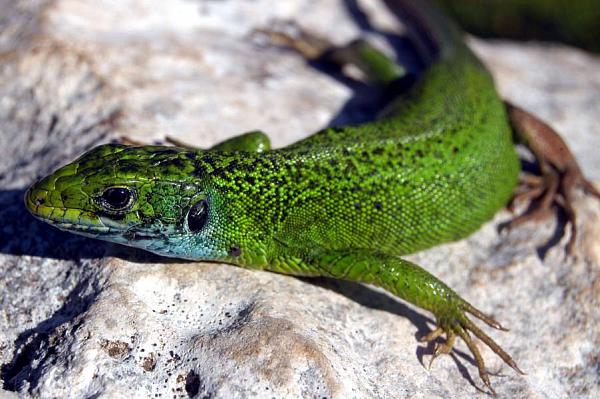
[459, 324]
[291, 35]
[375, 67]
[560, 175]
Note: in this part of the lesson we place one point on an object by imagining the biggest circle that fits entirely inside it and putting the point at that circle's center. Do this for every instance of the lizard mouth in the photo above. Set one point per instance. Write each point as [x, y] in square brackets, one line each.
[80, 221]
[45, 205]
[73, 220]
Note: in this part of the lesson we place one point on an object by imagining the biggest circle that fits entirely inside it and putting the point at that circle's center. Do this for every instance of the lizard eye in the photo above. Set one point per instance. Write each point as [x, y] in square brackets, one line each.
[117, 198]
[197, 216]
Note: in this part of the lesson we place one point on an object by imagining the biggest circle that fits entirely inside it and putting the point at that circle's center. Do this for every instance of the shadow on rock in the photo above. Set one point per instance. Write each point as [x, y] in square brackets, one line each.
[36, 346]
[22, 234]
[373, 299]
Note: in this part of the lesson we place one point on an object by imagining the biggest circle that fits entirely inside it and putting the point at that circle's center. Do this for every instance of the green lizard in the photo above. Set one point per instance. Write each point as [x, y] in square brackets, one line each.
[347, 202]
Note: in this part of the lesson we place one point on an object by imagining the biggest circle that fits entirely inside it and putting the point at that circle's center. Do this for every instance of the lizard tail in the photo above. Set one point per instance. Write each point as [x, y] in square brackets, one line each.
[433, 34]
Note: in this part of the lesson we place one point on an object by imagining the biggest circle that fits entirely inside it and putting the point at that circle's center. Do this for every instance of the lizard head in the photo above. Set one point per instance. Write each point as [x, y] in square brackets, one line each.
[145, 197]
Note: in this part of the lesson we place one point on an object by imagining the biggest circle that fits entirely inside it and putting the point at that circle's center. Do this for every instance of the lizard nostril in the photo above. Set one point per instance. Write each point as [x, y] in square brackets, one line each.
[34, 199]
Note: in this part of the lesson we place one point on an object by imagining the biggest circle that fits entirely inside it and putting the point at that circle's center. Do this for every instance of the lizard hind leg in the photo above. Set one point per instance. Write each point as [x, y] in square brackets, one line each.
[560, 174]
[377, 68]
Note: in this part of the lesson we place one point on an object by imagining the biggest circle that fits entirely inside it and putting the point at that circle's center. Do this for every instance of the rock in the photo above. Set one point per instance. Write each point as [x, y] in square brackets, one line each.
[82, 318]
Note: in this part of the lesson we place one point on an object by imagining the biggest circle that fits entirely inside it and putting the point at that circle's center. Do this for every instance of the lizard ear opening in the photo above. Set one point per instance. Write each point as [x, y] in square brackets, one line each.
[197, 216]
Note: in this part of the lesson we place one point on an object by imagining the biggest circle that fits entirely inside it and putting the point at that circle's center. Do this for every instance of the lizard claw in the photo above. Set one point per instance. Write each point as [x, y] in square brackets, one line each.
[462, 326]
[440, 349]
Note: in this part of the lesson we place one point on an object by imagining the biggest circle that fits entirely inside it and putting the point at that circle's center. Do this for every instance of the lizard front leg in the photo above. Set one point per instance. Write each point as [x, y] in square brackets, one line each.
[253, 141]
[417, 286]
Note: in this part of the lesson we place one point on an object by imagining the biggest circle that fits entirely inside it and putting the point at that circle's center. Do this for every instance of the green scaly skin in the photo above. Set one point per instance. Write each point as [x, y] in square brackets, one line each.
[347, 202]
